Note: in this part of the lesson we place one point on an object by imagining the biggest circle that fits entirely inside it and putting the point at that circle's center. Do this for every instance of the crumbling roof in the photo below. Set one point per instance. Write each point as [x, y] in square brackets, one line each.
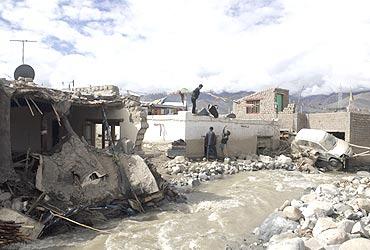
[91, 96]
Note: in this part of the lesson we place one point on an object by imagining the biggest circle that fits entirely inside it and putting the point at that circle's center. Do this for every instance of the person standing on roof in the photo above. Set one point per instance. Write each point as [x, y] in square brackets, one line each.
[210, 144]
[224, 140]
[194, 97]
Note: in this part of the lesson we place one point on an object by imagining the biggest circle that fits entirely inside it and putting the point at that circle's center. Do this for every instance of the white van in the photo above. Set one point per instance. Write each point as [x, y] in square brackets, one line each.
[330, 149]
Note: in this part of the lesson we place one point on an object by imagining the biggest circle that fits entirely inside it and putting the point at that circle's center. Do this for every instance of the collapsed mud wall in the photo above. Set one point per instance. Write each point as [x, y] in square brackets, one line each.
[75, 175]
[134, 123]
[81, 174]
[6, 168]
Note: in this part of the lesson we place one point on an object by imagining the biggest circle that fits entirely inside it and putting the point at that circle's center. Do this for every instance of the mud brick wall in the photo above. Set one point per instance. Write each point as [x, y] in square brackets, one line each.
[331, 122]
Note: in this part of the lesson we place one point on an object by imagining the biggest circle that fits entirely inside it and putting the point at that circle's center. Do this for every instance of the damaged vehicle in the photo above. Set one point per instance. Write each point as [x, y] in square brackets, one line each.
[332, 150]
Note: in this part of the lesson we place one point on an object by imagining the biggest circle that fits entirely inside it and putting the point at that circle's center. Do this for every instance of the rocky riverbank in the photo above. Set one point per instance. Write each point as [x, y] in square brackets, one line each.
[331, 216]
[192, 173]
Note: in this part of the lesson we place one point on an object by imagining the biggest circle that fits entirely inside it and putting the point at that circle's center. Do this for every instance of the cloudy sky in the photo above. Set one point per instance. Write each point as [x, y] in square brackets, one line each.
[154, 45]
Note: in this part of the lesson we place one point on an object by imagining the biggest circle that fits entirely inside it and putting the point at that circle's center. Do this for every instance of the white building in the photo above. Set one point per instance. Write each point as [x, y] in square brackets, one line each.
[247, 136]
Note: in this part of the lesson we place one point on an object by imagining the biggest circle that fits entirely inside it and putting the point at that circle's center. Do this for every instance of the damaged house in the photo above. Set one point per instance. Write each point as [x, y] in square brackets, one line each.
[350, 124]
[75, 147]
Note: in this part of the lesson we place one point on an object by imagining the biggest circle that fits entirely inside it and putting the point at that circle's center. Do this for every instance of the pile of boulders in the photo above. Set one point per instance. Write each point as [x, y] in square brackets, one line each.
[192, 173]
[332, 216]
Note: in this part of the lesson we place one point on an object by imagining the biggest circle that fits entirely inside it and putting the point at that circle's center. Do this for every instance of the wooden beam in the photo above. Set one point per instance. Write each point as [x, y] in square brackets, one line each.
[57, 115]
[29, 106]
[37, 107]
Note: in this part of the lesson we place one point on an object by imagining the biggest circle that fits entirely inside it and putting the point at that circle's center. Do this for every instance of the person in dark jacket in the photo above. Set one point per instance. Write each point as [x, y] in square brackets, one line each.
[224, 140]
[194, 97]
[210, 144]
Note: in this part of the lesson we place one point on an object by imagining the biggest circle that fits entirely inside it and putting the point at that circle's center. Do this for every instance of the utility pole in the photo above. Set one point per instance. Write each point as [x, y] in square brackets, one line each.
[340, 97]
[23, 41]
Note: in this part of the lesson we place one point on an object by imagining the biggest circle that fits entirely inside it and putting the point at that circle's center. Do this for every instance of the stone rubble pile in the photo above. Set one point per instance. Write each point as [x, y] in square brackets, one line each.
[332, 216]
[192, 173]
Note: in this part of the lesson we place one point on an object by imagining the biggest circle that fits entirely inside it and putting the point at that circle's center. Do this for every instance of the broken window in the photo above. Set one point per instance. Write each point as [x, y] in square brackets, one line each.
[339, 135]
[253, 107]
[96, 134]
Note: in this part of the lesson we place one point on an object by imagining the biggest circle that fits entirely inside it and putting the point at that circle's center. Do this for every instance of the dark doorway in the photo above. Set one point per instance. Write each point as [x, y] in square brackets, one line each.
[55, 132]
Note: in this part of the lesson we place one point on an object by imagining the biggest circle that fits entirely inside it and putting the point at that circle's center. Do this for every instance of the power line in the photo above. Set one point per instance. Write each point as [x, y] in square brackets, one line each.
[23, 41]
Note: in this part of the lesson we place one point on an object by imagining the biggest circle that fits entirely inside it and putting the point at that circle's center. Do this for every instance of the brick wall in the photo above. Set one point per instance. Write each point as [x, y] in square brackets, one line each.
[267, 103]
[331, 122]
[360, 129]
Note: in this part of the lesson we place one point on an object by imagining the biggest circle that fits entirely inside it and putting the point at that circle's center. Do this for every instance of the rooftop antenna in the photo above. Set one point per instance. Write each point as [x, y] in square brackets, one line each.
[299, 102]
[340, 97]
[23, 41]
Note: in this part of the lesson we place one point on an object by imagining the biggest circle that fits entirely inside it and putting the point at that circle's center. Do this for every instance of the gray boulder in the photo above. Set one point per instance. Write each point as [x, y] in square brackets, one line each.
[288, 244]
[274, 224]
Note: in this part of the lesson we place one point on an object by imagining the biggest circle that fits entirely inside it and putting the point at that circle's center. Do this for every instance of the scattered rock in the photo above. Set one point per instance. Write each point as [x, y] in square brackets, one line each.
[318, 209]
[346, 225]
[356, 244]
[283, 236]
[292, 213]
[359, 228]
[327, 189]
[313, 244]
[193, 182]
[288, 244]
[308, 197]
[285, 204]
[363, 204]
[333, 236]
[176, 170]
[274, 224]
[323, 224]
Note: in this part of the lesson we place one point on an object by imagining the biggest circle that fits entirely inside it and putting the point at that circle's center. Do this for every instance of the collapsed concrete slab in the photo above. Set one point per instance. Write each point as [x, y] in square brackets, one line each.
[140, 177]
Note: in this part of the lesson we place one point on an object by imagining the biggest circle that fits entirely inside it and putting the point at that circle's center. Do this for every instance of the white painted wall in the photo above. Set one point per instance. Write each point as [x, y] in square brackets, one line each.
[192, 129]
[197, 126]
[165, 128]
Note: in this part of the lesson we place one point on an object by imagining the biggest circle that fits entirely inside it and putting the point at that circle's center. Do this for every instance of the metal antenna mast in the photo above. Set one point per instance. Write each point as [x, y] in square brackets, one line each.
[23, 41]
[340, 97]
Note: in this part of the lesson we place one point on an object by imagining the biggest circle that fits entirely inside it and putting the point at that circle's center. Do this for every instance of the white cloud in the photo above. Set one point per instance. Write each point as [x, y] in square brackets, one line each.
[171, 44]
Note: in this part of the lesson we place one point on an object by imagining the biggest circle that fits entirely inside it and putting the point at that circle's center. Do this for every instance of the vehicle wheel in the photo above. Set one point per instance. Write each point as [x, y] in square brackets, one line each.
[335, 163]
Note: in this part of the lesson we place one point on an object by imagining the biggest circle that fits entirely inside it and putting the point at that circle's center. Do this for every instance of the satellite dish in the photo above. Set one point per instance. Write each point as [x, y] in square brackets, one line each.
[25, 71]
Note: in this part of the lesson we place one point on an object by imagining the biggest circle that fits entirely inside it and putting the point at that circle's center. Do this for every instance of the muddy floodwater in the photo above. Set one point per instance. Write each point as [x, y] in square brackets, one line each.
[217, 214]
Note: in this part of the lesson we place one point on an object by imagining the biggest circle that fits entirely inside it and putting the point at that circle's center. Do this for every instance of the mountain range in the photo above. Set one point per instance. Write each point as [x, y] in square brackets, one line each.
[309, 104]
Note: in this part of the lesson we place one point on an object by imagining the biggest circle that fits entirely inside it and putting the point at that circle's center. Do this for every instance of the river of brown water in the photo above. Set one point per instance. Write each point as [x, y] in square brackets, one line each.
[217, 214]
